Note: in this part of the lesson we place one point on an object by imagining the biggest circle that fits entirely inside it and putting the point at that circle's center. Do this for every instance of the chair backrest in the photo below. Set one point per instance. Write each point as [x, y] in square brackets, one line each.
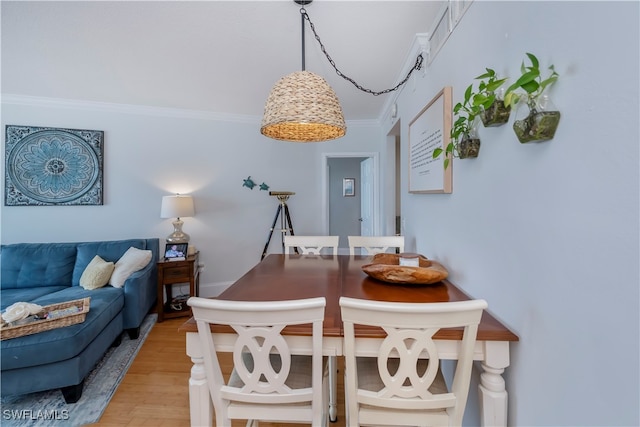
[375, 244]
[262, 385]
[312, 245]
[405, 384]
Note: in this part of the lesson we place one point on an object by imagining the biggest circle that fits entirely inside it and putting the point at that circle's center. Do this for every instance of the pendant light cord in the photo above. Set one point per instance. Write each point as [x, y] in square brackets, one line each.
[305, 16]
[302, 31]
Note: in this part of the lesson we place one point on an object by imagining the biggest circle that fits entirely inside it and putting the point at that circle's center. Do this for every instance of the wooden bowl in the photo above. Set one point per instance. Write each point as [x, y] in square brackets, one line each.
[387, 268]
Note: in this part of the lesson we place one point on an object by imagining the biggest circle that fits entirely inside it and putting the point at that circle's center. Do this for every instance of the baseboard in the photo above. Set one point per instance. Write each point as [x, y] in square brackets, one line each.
[208, 290]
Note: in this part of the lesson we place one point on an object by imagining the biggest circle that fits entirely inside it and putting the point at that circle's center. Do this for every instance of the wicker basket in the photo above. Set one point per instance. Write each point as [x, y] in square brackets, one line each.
[7, 332]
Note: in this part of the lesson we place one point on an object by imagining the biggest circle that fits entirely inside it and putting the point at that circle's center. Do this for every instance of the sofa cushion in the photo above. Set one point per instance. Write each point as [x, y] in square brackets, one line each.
[97, 273]
[132, 260]
[59, 374]
[108, 251]
[66, 342]
[11, 296]
[28, 265]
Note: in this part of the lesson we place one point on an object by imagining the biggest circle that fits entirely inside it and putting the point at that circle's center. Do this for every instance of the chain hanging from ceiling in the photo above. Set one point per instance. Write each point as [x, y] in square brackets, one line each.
[417, 66]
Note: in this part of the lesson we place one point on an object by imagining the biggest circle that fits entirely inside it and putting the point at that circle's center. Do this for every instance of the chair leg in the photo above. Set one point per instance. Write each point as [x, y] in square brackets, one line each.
[325, 396]
[347, 408]
[333, 389]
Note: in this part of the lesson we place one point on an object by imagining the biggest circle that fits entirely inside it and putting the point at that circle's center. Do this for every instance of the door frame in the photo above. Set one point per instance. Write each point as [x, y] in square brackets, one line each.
[325, 186]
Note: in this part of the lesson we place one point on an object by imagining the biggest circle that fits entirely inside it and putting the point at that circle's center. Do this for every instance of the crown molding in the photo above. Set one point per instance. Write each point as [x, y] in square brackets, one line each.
[144, 110]
[420, 45]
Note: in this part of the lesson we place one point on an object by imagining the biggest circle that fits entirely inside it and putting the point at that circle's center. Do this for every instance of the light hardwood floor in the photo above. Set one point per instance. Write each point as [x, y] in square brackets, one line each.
[155, 390]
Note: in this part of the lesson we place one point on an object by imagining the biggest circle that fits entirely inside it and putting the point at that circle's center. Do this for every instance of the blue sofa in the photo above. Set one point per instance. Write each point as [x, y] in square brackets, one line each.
[49, 273]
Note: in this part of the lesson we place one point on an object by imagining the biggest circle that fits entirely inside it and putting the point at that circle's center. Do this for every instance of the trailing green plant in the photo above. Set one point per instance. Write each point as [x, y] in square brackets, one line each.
[494, 112]
[542, 120]
[465, 113]
[487, 87]
[531, 82]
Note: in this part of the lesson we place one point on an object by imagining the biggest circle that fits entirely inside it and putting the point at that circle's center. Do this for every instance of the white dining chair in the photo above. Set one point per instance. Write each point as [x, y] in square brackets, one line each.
[317, 245]
[375, 244]
[312, 245]
[403, 384]
[271, 380]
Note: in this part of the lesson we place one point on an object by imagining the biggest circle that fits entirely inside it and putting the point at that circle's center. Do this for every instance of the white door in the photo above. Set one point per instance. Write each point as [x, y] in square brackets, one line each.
[366, 197]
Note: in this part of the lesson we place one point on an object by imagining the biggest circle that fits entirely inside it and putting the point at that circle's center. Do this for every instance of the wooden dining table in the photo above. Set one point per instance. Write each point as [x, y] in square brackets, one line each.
[286, 277]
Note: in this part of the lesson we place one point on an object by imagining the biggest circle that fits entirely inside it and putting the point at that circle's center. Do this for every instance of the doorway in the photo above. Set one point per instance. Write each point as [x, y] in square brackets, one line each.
[353, 213]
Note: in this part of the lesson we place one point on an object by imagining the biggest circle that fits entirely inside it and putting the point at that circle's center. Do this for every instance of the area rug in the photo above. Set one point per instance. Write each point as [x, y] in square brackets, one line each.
[48, 408]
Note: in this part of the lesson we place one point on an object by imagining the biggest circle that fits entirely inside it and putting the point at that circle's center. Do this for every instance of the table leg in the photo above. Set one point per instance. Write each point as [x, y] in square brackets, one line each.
[200, 405]
[333, 389]
[492, 390]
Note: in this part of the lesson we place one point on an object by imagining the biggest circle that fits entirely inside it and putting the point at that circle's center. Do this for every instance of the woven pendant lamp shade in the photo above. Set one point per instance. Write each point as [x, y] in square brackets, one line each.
[302, 107]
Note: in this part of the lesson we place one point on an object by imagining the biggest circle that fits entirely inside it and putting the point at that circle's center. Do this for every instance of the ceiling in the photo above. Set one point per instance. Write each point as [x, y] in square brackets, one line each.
[213, 56]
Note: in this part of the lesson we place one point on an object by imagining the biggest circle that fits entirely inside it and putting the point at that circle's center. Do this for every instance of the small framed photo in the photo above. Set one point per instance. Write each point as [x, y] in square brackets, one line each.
[348, 187]
[176, 251]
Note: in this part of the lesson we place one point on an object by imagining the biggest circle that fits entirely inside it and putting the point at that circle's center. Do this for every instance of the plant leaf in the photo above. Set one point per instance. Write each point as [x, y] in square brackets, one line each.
[488, 74]
[495, 85]
[534, 60]
[530, 87]
[449, 148]
[511, 98]
[467, 94]
[526, 78]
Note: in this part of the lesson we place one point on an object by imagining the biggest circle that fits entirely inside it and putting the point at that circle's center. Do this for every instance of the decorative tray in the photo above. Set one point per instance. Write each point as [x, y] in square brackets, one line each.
[78, 308]
[387, 268]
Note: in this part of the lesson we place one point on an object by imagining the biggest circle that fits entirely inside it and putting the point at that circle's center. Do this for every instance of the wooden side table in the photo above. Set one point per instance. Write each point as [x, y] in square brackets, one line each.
[175, 272]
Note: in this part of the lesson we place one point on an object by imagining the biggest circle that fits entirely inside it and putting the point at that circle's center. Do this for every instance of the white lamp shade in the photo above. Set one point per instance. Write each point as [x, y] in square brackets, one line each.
[177, 207]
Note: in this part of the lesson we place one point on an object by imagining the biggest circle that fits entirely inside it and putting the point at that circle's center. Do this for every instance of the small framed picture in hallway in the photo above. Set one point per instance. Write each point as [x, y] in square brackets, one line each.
[348, 187]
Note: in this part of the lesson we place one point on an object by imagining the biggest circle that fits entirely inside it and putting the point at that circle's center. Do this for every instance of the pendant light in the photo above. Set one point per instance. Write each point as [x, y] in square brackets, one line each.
[302, 107]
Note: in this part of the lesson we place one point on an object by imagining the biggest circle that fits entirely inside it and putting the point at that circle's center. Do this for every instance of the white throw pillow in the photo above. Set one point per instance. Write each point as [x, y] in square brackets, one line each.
[132, 260]
[97, 273]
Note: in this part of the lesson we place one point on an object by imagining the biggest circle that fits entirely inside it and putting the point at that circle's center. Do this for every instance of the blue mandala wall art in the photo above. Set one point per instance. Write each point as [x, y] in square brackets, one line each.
[53, 167]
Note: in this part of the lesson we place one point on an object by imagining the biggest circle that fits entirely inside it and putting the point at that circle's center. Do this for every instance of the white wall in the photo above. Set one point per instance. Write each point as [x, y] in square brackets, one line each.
[547, 232]
[150, 153]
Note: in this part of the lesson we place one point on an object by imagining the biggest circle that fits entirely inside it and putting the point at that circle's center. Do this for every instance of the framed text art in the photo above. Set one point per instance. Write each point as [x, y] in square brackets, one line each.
[430, 129]
[50, 166]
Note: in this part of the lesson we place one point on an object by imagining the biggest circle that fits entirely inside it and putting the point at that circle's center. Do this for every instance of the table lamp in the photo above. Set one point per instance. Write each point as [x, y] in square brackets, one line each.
[177, 207]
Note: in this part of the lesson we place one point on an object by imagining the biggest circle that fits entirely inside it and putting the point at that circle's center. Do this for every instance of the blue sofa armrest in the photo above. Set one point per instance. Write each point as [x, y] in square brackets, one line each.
[140, 290]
